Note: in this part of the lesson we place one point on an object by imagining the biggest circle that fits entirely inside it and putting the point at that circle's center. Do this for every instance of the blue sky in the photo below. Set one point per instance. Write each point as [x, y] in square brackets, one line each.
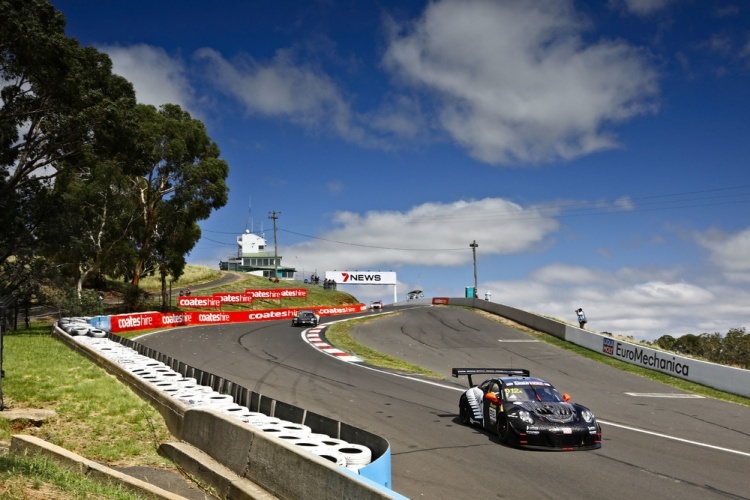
[596, 151]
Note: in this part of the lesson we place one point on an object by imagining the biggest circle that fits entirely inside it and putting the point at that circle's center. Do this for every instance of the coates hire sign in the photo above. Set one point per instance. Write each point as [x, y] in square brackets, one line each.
[198, 301]
[362, 277]
[142, 321]
[277, 293]
[234, 297]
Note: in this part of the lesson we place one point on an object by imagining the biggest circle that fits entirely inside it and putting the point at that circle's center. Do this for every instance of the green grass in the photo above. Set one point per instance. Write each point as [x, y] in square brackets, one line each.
[97, 416]
[338, 335]
[39, 477]
[621, 365]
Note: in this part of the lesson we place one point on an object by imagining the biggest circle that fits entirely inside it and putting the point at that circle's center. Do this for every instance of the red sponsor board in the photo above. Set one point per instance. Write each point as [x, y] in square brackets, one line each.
[234, 297]
[277, 293]
[441, 300]
[142, 321]
[198, 301]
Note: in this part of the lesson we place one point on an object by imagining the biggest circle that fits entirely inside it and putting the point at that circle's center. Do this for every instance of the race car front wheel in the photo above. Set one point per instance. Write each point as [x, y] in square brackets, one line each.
[503, 429]
[464, 411]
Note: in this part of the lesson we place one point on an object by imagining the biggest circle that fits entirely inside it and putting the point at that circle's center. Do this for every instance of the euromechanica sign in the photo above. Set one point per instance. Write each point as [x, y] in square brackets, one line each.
[362, 277]
[649, 358]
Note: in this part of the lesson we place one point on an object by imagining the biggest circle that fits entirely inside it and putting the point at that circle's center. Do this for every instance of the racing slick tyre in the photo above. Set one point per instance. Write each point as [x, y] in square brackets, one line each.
[464, 411]
[503, 429]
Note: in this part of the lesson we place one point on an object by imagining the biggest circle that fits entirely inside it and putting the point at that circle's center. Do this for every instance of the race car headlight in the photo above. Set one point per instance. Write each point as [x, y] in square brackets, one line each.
[525, 416]
[587, 416]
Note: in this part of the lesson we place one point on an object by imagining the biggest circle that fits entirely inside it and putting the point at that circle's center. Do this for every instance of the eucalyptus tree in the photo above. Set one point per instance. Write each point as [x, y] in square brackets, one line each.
[60, 106]
[91, 224]
[184, 180]
[60, 101]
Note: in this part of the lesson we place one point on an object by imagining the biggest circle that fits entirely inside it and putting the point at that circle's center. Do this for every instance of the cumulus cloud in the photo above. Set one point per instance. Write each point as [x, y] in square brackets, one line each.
[558, 274]
[157, 77]
[643, 7]
[432, 234]
[284, 88]
[624, 302]
[533, 90]
[729, 252]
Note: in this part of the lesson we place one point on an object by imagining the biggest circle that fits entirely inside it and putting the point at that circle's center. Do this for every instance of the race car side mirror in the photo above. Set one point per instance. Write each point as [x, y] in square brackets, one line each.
[491, 396]
[566, 397]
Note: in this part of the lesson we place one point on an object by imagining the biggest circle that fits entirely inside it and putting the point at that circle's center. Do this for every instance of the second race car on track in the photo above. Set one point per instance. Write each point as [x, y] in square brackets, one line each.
[527, 411]
[305, 317]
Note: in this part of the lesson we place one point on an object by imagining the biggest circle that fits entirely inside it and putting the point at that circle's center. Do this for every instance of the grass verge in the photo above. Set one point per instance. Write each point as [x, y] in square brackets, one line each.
[39, 477]
[97, 416]
[620, 365]
[338, 335]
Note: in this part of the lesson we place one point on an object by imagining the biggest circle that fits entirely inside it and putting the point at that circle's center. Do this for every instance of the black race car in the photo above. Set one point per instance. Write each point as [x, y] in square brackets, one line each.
[527, 411]
[304, 317]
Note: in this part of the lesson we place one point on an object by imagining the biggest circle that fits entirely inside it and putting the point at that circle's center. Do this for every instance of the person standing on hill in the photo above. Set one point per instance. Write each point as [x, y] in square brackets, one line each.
[581, 318]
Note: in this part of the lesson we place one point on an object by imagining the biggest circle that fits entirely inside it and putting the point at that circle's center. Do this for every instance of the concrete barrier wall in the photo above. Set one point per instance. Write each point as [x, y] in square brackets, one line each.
[531, 320]
[724, 378]
[273, 463]
[232, 435]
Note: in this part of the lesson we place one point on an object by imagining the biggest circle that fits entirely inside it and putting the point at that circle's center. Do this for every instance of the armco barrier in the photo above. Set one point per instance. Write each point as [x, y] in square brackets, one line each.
[723, 378]
[373, 480]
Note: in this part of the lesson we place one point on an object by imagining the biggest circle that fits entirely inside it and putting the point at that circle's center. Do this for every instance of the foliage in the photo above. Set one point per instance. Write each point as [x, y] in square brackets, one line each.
[184, 180]
[732, 349]
[70, 304]
[90, 182]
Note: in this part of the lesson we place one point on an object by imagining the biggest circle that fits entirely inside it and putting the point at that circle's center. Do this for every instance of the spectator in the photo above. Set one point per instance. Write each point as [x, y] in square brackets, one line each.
[581, 318]
[487, 295]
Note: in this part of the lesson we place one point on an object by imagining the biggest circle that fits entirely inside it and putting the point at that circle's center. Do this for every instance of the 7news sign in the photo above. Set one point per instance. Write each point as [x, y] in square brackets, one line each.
[362, 277]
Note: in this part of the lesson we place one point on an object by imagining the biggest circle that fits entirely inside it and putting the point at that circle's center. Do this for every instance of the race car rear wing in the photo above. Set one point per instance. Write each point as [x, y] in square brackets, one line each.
[519, 372]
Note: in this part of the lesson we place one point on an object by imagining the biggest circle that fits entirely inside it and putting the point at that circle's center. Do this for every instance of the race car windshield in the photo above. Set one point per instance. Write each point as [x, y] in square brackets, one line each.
[532, 393]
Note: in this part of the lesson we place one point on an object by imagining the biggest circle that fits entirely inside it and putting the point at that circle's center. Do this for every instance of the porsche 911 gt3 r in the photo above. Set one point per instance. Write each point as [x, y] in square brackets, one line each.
[306, 318]
[527, 411]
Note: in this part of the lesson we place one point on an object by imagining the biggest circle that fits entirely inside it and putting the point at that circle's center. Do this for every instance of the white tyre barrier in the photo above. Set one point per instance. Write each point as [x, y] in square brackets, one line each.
[296, 428]
[190, 393]
[357, 456]
[330, 455]
[97, 333]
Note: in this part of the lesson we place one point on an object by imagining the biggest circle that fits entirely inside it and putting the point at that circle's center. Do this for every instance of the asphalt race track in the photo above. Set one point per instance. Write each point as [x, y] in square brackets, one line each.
[657, 443]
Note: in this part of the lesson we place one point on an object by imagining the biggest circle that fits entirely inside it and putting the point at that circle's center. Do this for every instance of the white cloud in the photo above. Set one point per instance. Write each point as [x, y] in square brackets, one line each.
[432, 234]
[638, 302]
[730, 252]
[643, 7]
[157, 77]
[558, 274]
[282, 88]
[532, 90]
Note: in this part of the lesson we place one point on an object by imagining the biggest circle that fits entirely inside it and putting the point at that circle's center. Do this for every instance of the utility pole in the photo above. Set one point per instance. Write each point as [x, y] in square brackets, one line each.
[474, 246]
[275, 215]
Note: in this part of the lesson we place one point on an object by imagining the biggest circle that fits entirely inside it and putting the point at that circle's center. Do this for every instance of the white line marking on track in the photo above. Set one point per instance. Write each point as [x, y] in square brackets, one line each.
[316, 332]
[673, 438]
[674, 395]
[518, 340]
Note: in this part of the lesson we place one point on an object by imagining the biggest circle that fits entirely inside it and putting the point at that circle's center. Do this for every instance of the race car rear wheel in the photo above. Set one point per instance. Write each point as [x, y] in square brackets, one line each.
[464, 411]
[503, 429]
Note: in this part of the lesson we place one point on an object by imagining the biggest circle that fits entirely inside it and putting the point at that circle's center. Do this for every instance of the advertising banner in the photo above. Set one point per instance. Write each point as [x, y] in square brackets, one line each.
[234, 297]
[277, 293]
[362, 277]
[156, 320]
[198, 301]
